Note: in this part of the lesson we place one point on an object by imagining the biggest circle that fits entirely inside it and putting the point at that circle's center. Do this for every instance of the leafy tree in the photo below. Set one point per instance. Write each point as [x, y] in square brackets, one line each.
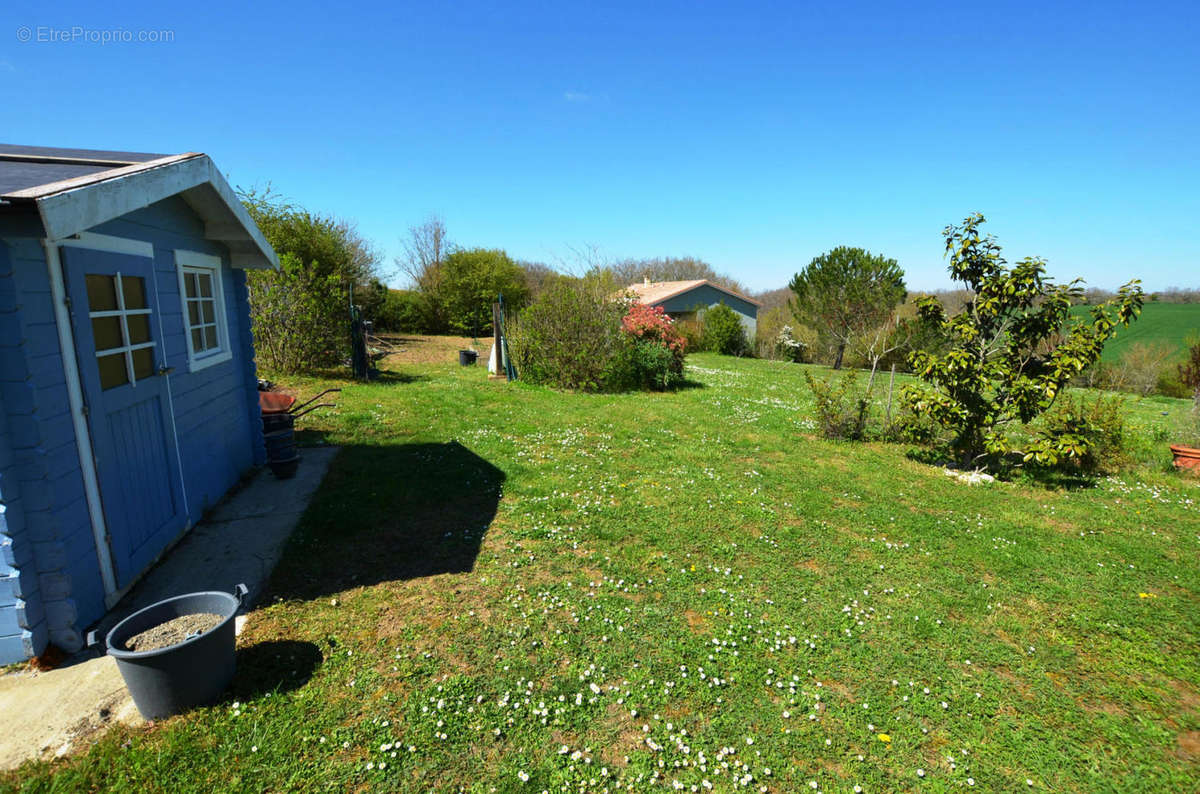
[301, 312]
[1007, 358]
[722, 331]
[471, 280]
[402, 310]
[845, 294]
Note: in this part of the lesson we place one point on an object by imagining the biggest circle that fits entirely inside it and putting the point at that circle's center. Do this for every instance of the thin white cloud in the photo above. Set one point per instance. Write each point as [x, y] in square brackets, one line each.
[577, 96]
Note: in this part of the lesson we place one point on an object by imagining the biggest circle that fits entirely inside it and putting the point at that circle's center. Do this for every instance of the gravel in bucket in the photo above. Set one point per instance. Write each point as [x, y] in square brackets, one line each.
[173, 632]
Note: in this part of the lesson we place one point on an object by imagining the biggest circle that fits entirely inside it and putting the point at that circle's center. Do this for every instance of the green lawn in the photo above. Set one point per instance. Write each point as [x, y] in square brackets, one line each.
[505, 588]
[1172, 324]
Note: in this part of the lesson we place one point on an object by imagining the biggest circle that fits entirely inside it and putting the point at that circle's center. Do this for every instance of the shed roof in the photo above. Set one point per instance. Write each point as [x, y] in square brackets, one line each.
[23, 167]
[75, 190]
[655, 292]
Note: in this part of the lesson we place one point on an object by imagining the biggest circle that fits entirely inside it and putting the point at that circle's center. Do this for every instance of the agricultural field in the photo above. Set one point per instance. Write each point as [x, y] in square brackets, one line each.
[1171, 324]
[500, 587]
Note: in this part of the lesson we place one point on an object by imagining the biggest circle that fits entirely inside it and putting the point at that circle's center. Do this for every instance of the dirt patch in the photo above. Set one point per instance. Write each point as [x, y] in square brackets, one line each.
[622, 735]
[810, 565]
[1099, 706]
[1189, 698]
[840, 689]
[1189, 746]
[414, 349]
[1015, 683]
[173, 632]
[696, 622]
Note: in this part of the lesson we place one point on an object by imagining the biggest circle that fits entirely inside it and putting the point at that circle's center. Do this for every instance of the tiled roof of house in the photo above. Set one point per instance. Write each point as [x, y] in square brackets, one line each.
[655, 292]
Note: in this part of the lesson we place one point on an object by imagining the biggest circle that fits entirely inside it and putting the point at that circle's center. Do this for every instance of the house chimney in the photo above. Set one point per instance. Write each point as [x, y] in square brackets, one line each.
[646, 280]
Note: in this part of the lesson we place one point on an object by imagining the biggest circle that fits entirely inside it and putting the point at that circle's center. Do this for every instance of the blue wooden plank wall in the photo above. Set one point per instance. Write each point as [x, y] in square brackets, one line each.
[50, 585]
[705, 296]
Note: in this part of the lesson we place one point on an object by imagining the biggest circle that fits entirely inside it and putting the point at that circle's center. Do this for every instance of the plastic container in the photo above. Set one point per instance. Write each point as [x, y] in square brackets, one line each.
[171, 680]
[467, 357]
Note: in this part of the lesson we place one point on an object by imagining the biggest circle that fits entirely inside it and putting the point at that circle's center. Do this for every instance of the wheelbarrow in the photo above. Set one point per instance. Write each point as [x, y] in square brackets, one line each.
[279, 413]
[275, 403]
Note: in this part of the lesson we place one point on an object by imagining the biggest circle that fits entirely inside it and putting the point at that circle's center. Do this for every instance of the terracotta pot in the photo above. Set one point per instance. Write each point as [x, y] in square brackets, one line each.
[1186, 458]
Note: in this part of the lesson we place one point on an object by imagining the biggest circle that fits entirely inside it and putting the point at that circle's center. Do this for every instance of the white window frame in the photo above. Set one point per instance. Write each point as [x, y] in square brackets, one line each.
[123, 314]
[193, 261]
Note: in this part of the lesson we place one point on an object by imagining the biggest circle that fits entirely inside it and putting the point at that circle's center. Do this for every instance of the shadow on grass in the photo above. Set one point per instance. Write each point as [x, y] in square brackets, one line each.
[388, 513]
[389, 377]
[1013, 469]
[275, 666]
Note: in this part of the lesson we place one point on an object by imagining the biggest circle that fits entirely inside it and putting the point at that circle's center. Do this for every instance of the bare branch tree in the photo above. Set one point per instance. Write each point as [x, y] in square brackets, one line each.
[425, 250]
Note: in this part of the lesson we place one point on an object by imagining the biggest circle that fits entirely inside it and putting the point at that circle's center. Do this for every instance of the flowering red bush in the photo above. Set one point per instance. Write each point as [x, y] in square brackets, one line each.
[653, 359]
[651, 324]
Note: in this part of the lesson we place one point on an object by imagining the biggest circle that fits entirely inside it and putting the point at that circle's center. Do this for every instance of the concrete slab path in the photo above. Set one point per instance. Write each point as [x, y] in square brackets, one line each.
[53, 713]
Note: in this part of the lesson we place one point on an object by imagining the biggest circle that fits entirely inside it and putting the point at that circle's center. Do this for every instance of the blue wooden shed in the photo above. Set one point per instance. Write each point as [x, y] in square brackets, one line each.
[685, 300]
[128, 401]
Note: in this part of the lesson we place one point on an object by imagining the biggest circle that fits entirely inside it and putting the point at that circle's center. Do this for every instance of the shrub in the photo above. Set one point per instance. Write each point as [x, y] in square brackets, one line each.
[1142, 366]
[299, 312]
[402, 310]
[576, 336]
[653, 355]
[1081, 436]
[692, 330]
[1189, 371]
[570, 336]
[1169, 384]
[723, 331]
[296, 326]
[788, 347]
[841, 410]
[643, 365]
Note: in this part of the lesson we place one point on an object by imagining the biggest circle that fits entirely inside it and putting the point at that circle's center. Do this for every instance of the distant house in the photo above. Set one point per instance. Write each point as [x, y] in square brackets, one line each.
[682, 300]
[128, 401]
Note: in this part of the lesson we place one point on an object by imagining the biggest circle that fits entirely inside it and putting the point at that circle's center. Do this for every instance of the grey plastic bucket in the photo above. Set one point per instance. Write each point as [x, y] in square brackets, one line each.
[195, 672]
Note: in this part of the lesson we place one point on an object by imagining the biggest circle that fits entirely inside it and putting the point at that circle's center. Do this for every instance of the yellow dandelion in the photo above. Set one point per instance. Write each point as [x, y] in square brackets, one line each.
[883, 737]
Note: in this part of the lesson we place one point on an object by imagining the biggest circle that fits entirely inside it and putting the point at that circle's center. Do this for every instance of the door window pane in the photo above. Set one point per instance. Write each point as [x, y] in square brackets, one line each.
[112, 371]
[197, 339]
[102, 293]
[119, 311]
[107, 332]
[210, 337]
[143, 363]
[134, 288]
[139, 328]
[205, 284]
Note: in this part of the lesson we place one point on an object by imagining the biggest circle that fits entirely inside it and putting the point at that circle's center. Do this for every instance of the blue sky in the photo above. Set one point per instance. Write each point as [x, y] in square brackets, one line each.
[754, 136]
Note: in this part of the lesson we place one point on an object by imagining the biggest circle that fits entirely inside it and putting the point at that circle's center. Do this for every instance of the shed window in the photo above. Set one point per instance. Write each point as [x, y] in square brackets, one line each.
[120, 319]
[203, 307]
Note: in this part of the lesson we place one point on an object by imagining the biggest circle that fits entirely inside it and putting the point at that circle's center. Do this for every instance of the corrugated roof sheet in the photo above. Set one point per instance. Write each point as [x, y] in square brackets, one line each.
[23, 167]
